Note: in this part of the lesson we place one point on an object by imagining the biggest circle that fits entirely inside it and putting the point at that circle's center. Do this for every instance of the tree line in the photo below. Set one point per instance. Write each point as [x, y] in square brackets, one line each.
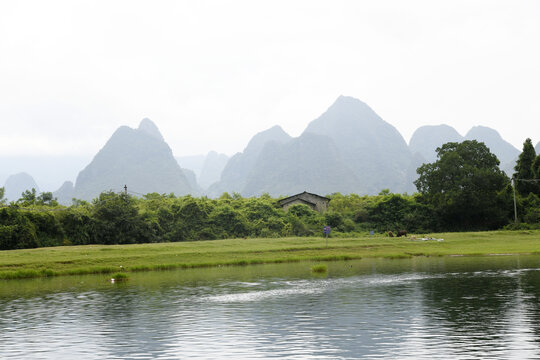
[464, 190]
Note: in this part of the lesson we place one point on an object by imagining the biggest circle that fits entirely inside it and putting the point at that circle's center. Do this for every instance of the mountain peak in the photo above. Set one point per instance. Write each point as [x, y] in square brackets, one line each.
[136, 157]
[483, 131]
[18, 183]
[426, 139]
[505, 151]
[257, 142]
[365, 141]
[348, 104]
[150, 128]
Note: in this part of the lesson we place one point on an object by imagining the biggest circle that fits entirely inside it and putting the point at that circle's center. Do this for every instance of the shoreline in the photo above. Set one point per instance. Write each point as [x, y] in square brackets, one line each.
[107, 259]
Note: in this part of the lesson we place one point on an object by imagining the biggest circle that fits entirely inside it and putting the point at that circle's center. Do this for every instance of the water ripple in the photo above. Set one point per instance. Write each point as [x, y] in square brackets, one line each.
[463, 315]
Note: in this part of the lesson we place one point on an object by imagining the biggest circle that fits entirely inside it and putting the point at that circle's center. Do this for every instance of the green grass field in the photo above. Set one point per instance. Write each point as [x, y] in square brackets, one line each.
[101, 259]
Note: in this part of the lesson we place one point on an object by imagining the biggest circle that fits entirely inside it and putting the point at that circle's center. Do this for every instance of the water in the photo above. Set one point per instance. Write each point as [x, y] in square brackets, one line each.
[436, 308]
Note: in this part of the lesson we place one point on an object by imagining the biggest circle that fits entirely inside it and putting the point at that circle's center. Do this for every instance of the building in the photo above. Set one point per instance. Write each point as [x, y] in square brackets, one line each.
[314, 201]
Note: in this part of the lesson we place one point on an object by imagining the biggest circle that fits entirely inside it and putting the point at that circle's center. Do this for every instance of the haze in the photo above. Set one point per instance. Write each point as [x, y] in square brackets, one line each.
[211, 74]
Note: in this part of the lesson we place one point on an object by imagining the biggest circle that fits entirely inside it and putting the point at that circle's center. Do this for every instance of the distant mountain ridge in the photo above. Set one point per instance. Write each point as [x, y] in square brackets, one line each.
[426, 139]
[371, 147]
[138, 158]
[16, 184]
[347, 149]
[310, 163]
[234, 176]
[212, 168]
[505, 151]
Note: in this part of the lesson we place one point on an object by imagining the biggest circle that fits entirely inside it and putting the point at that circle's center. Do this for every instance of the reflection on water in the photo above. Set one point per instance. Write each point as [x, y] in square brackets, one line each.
[441, 308]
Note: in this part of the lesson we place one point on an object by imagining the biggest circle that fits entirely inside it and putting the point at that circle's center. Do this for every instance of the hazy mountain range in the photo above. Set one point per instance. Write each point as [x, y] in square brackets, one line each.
[348, 149]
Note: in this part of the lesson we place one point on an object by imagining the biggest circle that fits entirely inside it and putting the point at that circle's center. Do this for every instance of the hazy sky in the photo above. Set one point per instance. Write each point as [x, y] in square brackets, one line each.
[211, 74]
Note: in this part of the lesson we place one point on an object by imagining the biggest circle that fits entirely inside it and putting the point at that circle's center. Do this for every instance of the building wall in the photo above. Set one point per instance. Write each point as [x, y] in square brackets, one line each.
[320, 204]
[296, 202]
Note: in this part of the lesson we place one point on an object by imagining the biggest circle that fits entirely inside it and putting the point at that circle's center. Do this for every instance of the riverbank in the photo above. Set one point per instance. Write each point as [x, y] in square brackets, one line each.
[104, 259]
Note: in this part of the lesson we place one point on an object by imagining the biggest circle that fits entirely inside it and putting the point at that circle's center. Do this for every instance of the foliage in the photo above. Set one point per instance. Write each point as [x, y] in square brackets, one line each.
[116, 220]
[397, 212]
[16, 230]
[46, 198]
[464, 187]
[526, 169]
[28, 197]
[321, 268]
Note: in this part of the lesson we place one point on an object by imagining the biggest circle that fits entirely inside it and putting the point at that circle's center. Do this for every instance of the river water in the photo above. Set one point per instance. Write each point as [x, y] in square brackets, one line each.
[422, 308]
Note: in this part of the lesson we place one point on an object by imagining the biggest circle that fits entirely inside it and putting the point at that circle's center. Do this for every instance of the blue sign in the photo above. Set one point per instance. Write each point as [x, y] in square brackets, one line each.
[372, 233]
[326, 230]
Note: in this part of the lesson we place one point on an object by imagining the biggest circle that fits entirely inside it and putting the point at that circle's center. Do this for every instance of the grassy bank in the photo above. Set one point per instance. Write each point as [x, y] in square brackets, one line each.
[101, 259]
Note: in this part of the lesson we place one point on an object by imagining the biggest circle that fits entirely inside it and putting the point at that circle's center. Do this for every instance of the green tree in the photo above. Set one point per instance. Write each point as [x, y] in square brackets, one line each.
[117, 220]
[400, 212]
[28, 197]
[536, 167]
[525, 170]
[47, 199]
[464, 186]
[230, 222]
[2, 193]
[77, 225]
[16, 230]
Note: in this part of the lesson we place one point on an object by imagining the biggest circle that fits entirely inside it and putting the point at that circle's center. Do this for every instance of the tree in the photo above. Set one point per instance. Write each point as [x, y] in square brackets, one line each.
[117, 220]
[464, 187]
[525, 170]
[400, 212]
[28, 197]
[16, 230]
[46, 198]
[535, 167]
[2, 193]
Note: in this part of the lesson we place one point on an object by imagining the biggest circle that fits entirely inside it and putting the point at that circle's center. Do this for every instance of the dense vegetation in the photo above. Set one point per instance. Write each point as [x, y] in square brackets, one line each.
[463, 190]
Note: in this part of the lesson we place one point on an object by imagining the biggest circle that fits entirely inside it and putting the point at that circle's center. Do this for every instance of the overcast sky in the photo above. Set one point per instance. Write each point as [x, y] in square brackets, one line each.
[211, 74]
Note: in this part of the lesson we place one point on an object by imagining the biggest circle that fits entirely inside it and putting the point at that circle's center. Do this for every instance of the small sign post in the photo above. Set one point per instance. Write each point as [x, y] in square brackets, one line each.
[326, 231]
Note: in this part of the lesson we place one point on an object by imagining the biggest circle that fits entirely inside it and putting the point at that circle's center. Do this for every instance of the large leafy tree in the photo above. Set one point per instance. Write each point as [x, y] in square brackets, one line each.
[28, 197]
[525, 170]
[16, 230]
[117, 220]
[465, 186]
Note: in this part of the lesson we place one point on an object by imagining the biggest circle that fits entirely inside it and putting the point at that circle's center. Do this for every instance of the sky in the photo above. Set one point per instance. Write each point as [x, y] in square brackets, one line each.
[211, 74]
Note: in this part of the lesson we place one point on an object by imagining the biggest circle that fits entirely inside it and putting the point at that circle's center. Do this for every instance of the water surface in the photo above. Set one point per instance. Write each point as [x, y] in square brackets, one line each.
[436, 308]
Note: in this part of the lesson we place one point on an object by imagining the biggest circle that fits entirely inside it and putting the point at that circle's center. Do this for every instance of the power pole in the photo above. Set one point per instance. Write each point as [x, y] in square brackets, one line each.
[125, 190]
[515, 207]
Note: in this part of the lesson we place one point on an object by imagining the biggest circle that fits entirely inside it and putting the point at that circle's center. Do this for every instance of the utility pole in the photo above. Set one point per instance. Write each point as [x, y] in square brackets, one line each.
[125, 191]
[515, 207]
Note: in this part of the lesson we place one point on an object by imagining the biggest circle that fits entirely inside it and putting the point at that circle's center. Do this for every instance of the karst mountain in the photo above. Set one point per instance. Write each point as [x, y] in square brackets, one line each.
[138, 158]
[347, 149]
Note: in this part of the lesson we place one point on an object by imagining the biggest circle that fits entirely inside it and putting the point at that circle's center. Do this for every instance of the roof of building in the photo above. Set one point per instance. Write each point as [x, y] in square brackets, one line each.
[294, 197]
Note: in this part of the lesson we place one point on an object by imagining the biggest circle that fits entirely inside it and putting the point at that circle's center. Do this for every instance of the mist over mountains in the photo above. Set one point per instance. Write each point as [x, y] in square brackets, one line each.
[348, 149]
[139, 158]
[18, 183]
[238, 169]
[426, 139]
[372, 148]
